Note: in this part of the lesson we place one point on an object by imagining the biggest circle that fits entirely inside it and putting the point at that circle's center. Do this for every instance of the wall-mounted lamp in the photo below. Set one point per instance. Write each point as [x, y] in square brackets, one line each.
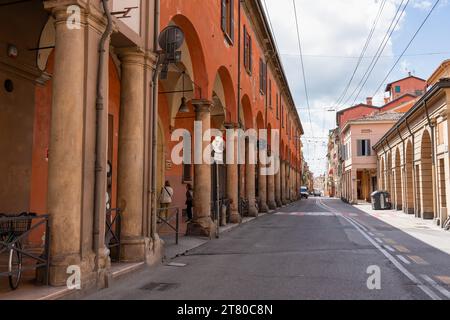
[183, 107]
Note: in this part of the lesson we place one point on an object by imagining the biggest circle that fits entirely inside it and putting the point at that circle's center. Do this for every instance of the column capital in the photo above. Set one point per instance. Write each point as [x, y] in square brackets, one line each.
[90, 14]
[202, 105]
[131, 55]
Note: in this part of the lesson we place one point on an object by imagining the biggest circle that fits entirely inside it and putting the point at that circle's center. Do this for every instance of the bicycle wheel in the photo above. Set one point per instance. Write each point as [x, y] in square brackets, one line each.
[15, 266]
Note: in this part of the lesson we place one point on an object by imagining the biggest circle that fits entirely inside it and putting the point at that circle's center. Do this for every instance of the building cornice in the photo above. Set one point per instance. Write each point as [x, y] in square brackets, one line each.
[256, 12]
[430, 94]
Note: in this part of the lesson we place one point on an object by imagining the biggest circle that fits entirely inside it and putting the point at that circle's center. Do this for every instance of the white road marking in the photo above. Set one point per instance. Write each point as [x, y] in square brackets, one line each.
[389, 248]
[402, 258]
[378, 240]
[436, 286]
[371, 234]
[397, 264]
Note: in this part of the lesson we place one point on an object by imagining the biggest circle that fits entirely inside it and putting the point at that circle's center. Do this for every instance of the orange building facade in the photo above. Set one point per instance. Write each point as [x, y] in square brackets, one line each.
[86, 126]
[229, 60]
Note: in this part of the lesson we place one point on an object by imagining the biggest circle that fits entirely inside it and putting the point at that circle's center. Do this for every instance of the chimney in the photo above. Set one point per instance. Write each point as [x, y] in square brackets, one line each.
[370, 101]
[386, 100]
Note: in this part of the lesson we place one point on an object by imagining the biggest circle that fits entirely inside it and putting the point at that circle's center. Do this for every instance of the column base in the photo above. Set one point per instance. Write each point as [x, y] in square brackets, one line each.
[272, 205]
[201, 228]
[235, 217]
[252, 212]
[142, 249]
[263, 208]
[59, 265]
[279, 203]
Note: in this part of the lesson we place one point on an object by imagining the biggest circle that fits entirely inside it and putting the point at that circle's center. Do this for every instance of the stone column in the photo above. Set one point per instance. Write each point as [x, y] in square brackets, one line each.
[202, 224]
[65, 171]
[271, 202]
[354, 185]
[283, 183]
[130, 179]
[232, 177]
[250, 182]
[278, 201]
[262, 186]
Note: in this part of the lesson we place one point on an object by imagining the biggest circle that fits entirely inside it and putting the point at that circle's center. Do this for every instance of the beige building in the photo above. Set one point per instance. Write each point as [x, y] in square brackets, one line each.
[359, 178]
[413, 159]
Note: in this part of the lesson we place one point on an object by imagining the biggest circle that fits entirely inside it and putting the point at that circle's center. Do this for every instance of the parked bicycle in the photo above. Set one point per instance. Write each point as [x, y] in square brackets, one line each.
[11, 229]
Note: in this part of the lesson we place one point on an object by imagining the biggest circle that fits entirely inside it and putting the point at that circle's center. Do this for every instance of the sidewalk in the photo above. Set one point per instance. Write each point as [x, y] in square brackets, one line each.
[187, 243]
[424, 230]
[29, 291]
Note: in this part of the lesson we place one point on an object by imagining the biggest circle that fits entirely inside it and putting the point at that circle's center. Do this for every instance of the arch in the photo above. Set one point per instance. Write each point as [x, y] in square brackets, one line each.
[229, 94]
[246, 113]
[389, 173]
[409, 174]
[398, 181]
[426, 177]
[196, 52]
[260, 121]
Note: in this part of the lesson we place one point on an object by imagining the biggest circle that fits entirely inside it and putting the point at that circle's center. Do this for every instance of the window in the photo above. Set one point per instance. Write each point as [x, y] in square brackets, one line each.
[270, 94]
[248, 61]
[227, 19]
[277, 107]
[262, 77]
[398, 89]
[364, 148]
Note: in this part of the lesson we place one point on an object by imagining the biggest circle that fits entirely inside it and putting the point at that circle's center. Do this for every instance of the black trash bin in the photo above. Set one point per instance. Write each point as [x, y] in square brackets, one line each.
[381, 200]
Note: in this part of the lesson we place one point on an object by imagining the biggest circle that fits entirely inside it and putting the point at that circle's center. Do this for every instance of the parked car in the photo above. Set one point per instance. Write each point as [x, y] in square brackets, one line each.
[304, 193]
[317, 193]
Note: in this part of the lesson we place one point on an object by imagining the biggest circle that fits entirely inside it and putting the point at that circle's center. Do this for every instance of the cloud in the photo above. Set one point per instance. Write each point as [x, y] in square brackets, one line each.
[333, 34]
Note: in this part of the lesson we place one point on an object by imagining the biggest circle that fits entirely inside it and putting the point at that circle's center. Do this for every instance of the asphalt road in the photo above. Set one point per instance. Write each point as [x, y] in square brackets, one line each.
[313, 249]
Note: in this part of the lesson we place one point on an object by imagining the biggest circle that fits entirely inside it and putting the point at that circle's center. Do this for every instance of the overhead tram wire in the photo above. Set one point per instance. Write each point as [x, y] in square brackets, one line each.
[382, 50]
[409, 44]
[363, 52]
[379, 51]
[303, 65]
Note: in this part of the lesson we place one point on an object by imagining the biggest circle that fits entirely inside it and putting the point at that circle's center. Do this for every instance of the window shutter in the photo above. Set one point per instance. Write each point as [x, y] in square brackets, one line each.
[245, 48]
[265, 77]
[368, 153]
[260, 75]
[224, 15]
[250, 55]
[360, 148]
[232, 20]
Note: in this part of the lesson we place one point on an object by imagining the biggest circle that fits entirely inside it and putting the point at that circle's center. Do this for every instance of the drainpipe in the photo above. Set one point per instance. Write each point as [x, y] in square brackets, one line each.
[433, 158]
[100, 142]
[154, 181]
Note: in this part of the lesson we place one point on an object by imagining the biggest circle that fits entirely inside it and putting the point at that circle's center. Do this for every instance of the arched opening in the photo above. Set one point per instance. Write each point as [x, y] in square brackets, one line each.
[398, 181]
[219, 115]
[409, 171]
[426, 174]
[185, 81]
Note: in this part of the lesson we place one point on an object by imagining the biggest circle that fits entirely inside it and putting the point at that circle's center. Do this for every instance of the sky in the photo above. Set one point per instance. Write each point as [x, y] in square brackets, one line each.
[333, 34]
